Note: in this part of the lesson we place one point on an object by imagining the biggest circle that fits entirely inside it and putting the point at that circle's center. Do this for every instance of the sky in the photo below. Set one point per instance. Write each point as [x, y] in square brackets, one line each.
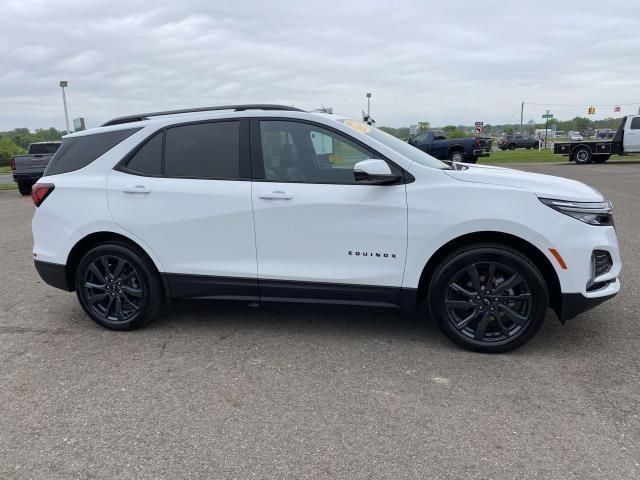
[453, 62]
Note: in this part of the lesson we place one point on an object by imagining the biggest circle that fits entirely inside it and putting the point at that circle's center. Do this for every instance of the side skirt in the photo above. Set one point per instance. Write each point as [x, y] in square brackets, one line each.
[249, 289]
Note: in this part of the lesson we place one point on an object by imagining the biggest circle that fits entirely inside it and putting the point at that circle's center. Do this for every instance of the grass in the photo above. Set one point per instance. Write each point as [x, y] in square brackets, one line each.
[535, 156]
[8, 186]
[5, 169]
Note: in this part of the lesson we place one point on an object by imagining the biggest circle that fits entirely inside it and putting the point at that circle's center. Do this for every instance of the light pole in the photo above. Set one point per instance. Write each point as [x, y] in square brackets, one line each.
[369, 106]
[63, 84]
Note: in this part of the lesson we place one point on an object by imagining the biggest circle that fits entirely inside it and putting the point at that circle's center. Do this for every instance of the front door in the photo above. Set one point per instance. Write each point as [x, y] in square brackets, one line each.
[320, 234]
[186, 194]
[631, 141]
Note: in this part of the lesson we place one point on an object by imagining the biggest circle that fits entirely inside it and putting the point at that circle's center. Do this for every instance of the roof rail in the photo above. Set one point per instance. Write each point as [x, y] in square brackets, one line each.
[236, 108]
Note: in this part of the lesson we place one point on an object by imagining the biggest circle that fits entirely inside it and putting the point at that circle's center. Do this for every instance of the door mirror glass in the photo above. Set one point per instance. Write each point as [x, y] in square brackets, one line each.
[374, 172]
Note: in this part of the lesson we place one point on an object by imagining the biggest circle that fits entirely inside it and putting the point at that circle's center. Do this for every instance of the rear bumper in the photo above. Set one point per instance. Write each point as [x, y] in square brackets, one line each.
[573, 304]
[481, 153]
[23, 177]
[53, 274]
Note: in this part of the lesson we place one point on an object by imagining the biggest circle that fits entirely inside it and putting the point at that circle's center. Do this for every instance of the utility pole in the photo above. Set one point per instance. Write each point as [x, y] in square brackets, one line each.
[63, 84]
[521, 115]
[369, 105]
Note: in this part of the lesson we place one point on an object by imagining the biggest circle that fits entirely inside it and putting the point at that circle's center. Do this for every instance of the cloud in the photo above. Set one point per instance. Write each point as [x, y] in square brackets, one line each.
[445, 62]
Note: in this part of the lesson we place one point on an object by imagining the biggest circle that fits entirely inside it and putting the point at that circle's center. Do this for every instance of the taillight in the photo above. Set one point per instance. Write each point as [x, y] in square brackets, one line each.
[12, 163]
[477, 142]
[40, 191]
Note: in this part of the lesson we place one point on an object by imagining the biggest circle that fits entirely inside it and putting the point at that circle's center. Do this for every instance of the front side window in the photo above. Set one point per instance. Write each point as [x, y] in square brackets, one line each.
[301, 152]
[635, 123]
[203, 150]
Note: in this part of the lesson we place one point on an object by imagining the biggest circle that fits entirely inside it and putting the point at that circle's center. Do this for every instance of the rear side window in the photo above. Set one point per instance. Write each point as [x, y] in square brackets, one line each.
[43, 148]
[148, 160]
[203, 150]
[78, 152]
[635, 123]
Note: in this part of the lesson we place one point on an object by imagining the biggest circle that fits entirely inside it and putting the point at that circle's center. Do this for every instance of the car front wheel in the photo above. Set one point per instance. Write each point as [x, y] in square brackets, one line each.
[118, 286]
[488, 298]
[456, 156]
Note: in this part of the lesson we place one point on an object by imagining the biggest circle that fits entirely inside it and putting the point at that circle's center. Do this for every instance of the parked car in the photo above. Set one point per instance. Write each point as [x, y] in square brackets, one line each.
[575, 136]
[626, 140]
[268, 203]
[466, 150]
[27, 169]
[511, 142]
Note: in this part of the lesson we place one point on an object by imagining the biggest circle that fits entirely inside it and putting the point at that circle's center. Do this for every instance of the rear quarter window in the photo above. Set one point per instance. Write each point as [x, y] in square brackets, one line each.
[78, 152]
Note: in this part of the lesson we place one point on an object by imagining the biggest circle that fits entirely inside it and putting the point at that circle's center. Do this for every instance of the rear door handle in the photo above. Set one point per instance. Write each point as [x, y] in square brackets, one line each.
[136, 189]
[276, 196]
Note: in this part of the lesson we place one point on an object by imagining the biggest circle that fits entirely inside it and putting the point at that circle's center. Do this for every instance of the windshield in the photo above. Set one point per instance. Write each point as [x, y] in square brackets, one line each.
[403, 148]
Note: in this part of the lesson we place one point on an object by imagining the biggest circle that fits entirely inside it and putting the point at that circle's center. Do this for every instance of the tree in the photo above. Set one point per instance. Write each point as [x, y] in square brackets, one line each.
[422, 126]
[7, 150]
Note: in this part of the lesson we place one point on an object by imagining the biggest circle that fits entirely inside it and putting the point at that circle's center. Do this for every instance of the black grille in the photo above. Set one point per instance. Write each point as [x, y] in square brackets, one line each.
[601, 262]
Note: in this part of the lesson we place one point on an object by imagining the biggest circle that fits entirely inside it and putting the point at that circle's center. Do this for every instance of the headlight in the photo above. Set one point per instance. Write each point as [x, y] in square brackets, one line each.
[593, 213]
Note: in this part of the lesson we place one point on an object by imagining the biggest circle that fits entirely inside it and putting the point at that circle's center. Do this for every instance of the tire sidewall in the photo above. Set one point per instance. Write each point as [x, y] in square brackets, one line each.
[147, 274]
[456, 262]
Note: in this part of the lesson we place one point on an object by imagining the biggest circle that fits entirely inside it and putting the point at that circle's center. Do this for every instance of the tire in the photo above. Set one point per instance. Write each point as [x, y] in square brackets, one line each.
[601, 158]
[517, 294]
[25, 188]
[107, 301]
[472, 160]
[456, 156]
[512, 146]
[582, 156]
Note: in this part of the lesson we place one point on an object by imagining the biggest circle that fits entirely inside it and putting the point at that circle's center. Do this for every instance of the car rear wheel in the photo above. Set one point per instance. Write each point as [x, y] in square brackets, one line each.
[25, 188]
[456, 156]
[488, 298]
[582, 156]
[118, 287]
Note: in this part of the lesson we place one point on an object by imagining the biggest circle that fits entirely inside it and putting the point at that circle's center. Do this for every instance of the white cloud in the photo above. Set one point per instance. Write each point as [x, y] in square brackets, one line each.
[446, 62]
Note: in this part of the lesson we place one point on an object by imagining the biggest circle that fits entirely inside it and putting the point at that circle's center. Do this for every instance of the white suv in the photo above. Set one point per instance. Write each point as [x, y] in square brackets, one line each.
[269, 203]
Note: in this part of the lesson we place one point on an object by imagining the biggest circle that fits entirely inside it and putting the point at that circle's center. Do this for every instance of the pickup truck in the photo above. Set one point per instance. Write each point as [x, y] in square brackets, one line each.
[626, 140]
[27, 169]
[511, 142]
[466, 150]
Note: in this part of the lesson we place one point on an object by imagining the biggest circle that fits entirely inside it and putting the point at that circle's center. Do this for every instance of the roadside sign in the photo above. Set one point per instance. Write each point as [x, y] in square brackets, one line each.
[78, 124]
[547, 115]
[478, 129]
[479, 124]
[413, 129]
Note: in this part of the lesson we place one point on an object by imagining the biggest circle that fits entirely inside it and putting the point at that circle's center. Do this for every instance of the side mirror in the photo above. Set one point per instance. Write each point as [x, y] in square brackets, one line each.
[374, 172]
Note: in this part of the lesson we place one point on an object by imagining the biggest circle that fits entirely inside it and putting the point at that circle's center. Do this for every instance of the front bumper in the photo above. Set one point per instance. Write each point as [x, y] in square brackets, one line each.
[573, 304]
[53, 274]
[481, 153]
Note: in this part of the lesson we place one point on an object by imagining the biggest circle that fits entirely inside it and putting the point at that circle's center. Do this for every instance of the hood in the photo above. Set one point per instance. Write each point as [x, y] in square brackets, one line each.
[545, 186]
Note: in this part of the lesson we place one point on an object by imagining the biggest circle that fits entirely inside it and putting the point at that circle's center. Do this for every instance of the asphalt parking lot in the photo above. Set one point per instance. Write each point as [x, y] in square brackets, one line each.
[230, 391]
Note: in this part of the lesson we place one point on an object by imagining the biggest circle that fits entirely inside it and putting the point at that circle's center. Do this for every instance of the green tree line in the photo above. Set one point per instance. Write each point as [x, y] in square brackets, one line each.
[455, 131]
[16, 141]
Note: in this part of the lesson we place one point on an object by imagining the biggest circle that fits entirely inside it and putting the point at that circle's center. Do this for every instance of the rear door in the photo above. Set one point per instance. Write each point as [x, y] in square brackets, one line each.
[320, 234]
[186, 193]
[631, 141]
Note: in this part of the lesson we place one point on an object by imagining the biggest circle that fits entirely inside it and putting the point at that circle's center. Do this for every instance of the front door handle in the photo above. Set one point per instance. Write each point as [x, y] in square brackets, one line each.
[136, 189]
[279, 195]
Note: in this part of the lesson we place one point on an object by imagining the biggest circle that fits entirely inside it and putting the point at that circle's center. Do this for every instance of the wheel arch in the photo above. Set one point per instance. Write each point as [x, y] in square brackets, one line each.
[97, 238]
[527, 248]
[580, 145]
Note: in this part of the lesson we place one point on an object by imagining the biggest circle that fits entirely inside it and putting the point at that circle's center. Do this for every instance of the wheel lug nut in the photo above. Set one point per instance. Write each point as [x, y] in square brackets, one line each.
[480, 308]
[477, 297]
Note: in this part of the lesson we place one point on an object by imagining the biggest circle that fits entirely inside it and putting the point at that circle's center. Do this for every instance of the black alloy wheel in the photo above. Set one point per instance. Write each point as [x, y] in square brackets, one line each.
[488, 298]
[117, 287]
[488, 302]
